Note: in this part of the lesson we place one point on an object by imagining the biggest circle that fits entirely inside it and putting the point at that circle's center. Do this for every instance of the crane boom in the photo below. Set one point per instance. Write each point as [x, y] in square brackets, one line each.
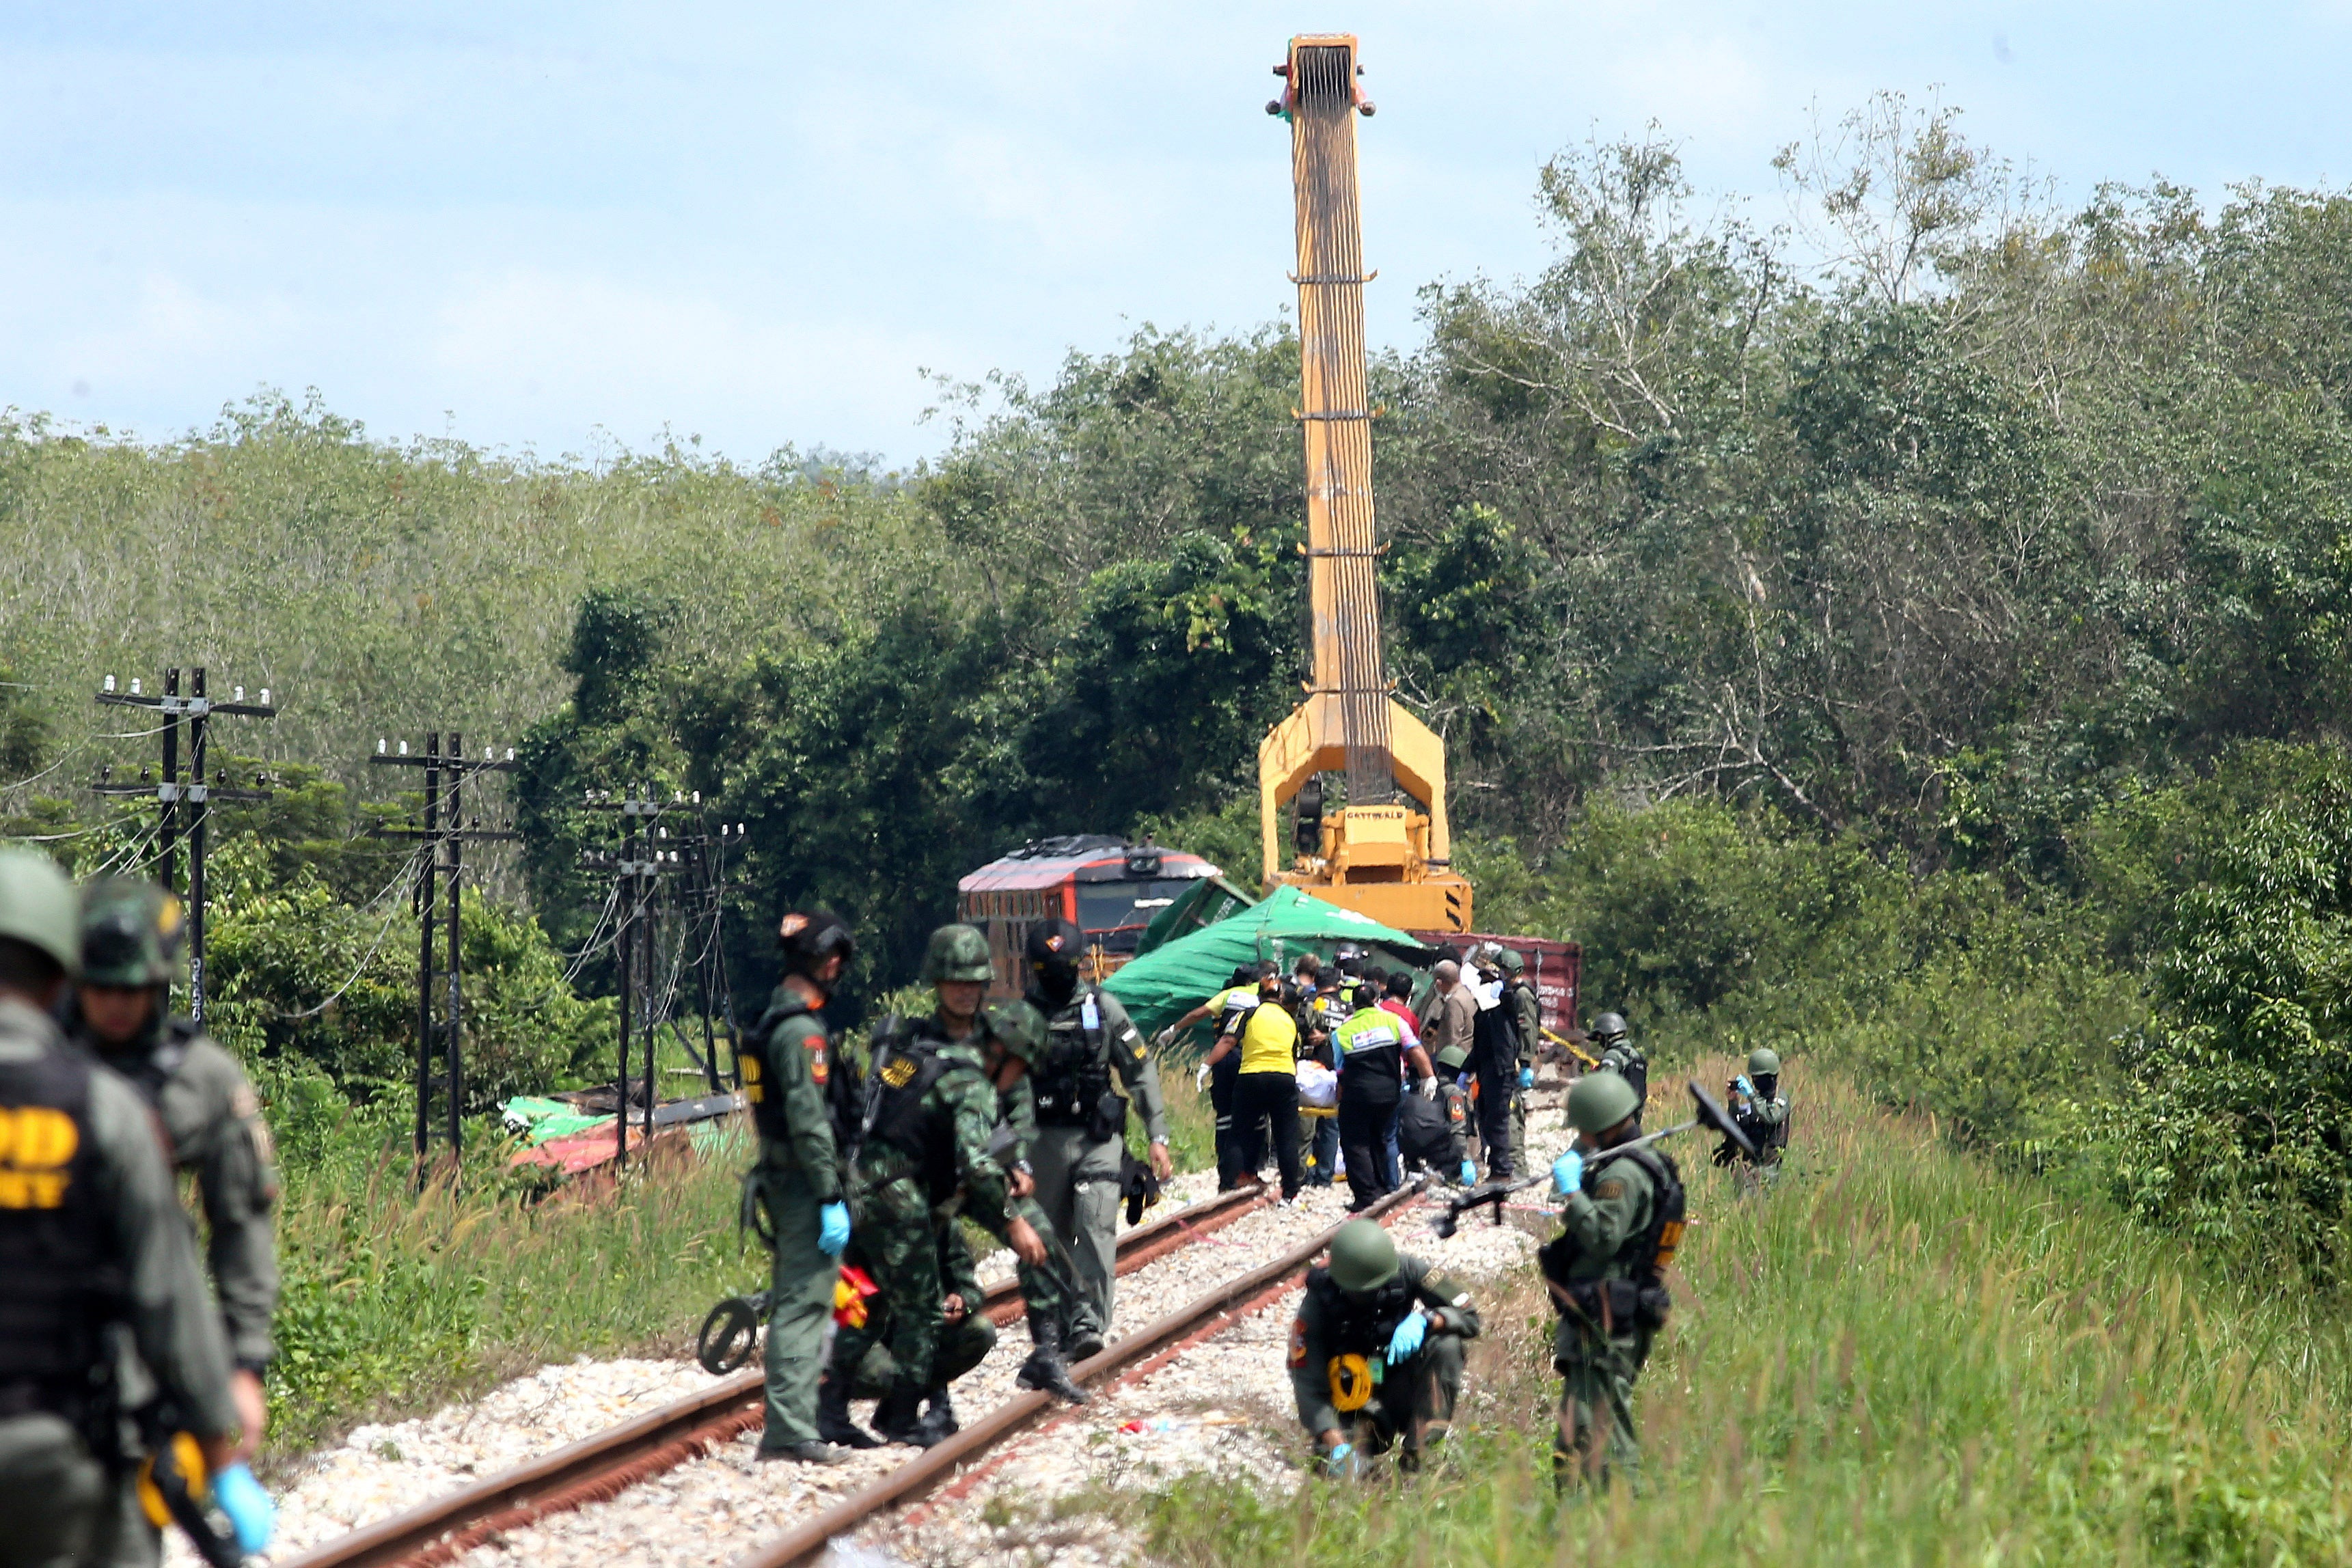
[1386, 850]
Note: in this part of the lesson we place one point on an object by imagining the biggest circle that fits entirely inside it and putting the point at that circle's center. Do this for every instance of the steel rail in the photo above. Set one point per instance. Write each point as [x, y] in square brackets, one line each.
[600, 1466]
[936, 1464]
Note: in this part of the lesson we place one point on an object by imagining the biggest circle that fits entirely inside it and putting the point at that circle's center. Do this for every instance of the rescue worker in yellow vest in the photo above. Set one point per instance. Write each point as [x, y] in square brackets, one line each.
[787, 1076]
[94, 1249]
[1376, 1352]
[1374, 1046]
[1619, 1227]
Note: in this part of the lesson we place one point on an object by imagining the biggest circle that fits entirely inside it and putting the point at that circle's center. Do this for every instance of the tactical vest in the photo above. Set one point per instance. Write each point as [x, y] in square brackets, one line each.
[1072, 1079]
[903, 1072]
[1359, 1324]
[60, 1276]
[1424, 1127]
[762, 1083]
[1637, 1296]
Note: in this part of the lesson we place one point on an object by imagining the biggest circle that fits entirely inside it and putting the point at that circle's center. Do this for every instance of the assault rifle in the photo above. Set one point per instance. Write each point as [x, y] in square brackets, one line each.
[1710, 1115]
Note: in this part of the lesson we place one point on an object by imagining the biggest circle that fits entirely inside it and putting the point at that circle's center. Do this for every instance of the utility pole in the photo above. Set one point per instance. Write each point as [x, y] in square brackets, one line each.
[444, 832]
[634, 929]
[198, 710]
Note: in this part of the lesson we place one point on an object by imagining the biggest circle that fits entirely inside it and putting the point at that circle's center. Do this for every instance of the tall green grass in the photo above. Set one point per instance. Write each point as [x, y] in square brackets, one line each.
[1898, 1355]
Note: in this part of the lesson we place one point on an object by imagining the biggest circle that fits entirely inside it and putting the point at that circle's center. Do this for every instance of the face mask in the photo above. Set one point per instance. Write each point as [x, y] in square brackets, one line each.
[1056, 983]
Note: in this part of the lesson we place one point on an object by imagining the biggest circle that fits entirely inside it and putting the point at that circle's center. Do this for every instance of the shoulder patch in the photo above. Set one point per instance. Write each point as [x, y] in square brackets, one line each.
[819, 1059]
[1613, 1188]
[1299, 1342]
[898, 1072]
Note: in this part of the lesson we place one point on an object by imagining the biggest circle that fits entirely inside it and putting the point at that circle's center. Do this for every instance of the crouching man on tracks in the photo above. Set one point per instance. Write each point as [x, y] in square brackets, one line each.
[1376, 1352]
[966, 1336]
[786, 1070]
[924, 1149]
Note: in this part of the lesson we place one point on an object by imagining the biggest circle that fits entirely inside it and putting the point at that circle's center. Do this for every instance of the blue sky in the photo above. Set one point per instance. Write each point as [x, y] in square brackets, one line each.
[555, 226]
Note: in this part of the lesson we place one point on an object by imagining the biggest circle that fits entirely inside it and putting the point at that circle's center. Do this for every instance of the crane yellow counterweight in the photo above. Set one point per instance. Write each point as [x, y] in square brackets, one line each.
[1383, 850]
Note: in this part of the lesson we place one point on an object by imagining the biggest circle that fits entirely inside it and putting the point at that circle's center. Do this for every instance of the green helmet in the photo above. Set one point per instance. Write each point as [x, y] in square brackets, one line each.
[1600, 1101]
[1019, 1027]
[1363, 1256]
[1512, 963]
[1610, 1027]
[957, 953]
[39, 907]
[132, 932]
[1453, 1057]
[1763, 1063]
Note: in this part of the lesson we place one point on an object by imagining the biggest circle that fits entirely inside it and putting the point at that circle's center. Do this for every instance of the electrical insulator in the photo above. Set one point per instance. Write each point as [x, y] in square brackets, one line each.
[265, 697]
[404, 748]
[240, 695]
[135, 687]
[109, 683]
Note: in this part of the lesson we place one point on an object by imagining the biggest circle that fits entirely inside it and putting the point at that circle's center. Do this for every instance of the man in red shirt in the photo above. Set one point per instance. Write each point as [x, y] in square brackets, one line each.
[1400, 998]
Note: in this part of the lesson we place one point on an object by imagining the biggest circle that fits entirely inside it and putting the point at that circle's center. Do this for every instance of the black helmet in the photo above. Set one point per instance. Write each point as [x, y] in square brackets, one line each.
[810, 937]
[1051, 951]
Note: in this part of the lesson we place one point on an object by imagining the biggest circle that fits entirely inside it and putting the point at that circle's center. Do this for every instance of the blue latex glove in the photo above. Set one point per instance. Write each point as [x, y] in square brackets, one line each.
[1469, 1174]
[1405, 1343]
[1526, 1077]
[1745, 1087]
[833, 1228]
[1567, 1173]
[250, 1509]
[1335, 1462]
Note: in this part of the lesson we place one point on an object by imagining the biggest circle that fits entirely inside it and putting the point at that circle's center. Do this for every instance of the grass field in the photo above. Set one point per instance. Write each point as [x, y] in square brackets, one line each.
[1898, 1355]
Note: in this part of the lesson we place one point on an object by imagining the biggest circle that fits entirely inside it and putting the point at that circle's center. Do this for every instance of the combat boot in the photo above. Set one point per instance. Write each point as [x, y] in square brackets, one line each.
[1085, 1340]
[1045, 1370]
[941, 1412]
[833, 1423]
[902, 1419]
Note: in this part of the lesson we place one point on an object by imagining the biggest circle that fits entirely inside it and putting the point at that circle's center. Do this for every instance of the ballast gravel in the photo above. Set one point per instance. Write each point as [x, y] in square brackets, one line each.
[1222, 1407]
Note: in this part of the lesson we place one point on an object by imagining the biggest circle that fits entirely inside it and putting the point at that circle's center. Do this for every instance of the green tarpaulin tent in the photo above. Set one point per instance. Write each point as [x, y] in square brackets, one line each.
[1208, 900]
[1165, 983]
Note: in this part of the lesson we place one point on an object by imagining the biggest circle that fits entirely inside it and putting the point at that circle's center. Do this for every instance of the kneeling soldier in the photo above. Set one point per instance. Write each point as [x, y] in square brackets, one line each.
[966, 1336]
[1376, 1350]
[1622, 1220]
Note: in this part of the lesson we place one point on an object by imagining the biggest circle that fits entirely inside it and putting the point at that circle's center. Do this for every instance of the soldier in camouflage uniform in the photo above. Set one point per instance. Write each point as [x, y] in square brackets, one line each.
[926, 1151]
[787, 1073]
[966, 1336]
[132, 933]
[1618, 1227]
[1375, 1305]
[94, 1249]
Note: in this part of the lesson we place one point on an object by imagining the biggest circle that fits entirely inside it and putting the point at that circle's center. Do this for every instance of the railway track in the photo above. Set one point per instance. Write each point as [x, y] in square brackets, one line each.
[444, 1528]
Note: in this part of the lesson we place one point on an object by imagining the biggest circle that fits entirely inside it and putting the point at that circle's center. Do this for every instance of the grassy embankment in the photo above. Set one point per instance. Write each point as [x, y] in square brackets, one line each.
[1900, 1356]
[398, 1301]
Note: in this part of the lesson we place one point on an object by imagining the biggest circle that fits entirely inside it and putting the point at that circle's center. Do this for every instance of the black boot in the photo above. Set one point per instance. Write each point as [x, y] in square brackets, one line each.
[941, 1413]
[902, 1419]
[1085, 1340]
[1045, 1370]
[833, 1423]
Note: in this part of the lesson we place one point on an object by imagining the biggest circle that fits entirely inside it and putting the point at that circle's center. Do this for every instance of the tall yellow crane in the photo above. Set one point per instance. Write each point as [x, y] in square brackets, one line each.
[1384, 850]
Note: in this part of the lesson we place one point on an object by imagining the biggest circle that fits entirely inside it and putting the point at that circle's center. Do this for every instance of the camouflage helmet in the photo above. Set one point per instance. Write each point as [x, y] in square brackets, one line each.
[957, 953]
[1610, 1027]
[1019, 1028]
[39, 907]
[1763, 1062]
[1363, 1256]
[1600, 1101]
[132, 933]
[1512, 963]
